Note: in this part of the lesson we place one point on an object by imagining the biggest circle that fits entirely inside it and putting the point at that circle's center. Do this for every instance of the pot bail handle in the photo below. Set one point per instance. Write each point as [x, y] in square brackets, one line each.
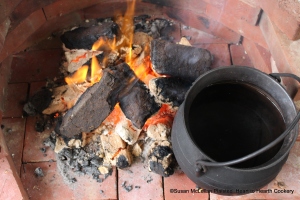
[203, 163]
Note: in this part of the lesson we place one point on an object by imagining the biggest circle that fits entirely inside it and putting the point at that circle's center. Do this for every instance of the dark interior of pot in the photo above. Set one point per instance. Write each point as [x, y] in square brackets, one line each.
[230, 120]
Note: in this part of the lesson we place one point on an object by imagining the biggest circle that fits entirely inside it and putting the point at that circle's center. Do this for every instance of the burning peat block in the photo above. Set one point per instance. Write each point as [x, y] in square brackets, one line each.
[79, 57]
[179, 61]
[96, 103]
[169, 90]
[85, 37]
[137, 104]
[161, 158]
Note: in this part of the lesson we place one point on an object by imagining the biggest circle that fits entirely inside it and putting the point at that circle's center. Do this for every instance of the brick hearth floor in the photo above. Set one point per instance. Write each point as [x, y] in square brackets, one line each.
[29, 72]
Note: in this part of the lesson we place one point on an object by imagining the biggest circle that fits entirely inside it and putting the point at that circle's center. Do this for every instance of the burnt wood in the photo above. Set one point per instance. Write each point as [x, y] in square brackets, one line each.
[181, 61]
[170, 90]
[38, 102]
[96, 103]
[85, 37]
[138, 104]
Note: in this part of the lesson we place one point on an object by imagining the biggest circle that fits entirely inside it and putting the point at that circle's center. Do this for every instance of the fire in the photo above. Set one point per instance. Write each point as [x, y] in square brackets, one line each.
[78, 77]
[165, 115]
[115, 116]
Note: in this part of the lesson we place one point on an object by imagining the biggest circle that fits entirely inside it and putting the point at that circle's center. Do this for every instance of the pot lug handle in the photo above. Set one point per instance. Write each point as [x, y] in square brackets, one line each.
[203, 163]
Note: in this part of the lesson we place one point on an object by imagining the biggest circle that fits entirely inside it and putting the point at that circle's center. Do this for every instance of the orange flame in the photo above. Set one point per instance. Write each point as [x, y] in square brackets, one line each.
[78, 77]
[96, 70]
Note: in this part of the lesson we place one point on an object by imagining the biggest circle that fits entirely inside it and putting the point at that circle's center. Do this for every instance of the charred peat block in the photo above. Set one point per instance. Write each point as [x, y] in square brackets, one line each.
[118, 84]
[180, 61]
[85, 37]
[137, 104]
[170, 90]
[97, 102]
[38, 102]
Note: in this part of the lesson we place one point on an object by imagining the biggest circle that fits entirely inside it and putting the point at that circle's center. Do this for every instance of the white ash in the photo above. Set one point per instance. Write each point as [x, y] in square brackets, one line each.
[78, 57]
[158, 131]
[127, 132]
[60, 145]
[137, 150]
[161, 158]
[64, 97]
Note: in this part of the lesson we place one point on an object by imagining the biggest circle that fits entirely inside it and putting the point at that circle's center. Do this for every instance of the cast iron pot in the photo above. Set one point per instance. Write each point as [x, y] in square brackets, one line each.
[234, 131]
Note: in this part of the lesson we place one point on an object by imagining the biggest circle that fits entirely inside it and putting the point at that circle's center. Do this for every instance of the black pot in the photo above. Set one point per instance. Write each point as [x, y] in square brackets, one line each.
[234, 131]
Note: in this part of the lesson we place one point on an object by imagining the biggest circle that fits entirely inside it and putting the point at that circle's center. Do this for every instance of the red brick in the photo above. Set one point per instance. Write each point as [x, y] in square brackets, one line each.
[34, 142]
[3, 150]
[1, 116]
[220, 54]
[239, 26]
[15, 99]
[253, 3]
[219, 3]
[4, 78]
[197, 6]
[203, 23]
[284, 51]
[180, 181]
[53, 186]
[292, 7]
[286, 22]
[200, 37]
[25, 8]
[62, 7]
[11, 186]
[44, 33]
[36, 65]
[18, 35]
[259, 56]
[7, 6]
[239, 56]
[289, 175]
[14, 129]
[112, 8]
[138, 175]
[243, 11]
[4, 26]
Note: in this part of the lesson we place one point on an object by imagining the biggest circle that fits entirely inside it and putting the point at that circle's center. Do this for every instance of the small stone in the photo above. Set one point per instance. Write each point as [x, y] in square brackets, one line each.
[137, 187]
[101, 191]
[123, 184]
[38, 172]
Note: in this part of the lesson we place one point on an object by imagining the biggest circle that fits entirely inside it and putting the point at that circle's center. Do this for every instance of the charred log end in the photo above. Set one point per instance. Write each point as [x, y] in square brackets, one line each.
[38, 102]
[122, 162]
[85, 37]
[169, 90]
[180, 61]
[161, 161]
[138, 105]
[97, 102]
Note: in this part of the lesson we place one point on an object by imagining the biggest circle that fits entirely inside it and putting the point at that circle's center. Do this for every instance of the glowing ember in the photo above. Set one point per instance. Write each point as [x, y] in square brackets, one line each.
[77, 59]
[115, 116]
[165, 116]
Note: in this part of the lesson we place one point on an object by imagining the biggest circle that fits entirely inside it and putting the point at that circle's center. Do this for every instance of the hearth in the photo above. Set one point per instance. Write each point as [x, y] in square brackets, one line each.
[124, 80]
[244, 33]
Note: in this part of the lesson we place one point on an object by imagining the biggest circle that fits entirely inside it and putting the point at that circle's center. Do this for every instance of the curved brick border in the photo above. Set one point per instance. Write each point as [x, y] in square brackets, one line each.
[265, 28]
